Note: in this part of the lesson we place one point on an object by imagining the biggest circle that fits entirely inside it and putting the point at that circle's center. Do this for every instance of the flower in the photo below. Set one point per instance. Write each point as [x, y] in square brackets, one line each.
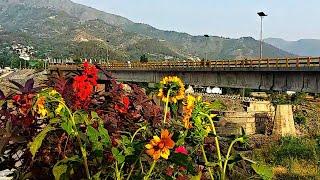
[174, 85]
[53, 92]
[123, 108]
[59, 108]
[160, 147]
[40, 106]
[181, 150]
[16, 98]
[187, 111]
[83, 85]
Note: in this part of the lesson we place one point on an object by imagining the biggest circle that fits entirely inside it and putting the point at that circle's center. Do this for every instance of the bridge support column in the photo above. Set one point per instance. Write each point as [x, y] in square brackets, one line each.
[283, 121]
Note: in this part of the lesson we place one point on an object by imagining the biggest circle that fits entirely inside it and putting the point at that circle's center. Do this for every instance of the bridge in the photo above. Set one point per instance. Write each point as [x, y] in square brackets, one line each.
[281, 74]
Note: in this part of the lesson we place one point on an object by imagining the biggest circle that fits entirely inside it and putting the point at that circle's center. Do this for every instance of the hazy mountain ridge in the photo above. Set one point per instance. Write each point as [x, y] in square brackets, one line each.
[52, 25]
[302, 47]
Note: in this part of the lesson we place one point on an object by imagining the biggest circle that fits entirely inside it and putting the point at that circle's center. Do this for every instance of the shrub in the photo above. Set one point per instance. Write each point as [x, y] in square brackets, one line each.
[294, 148]
[300, 119]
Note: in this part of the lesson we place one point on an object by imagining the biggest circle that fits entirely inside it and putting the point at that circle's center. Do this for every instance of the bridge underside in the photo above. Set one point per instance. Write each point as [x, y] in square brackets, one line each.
[265, 80]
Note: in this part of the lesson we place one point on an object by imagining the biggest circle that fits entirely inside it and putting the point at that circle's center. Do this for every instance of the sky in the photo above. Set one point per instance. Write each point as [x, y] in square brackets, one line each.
[287, 19]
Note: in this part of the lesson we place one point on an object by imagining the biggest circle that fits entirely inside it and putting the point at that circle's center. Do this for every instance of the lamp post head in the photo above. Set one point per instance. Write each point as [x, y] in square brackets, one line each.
[206, 35]
[262, 14]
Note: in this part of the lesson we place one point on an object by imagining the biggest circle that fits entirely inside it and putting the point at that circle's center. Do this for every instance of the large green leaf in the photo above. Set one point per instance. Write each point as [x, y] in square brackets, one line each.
[59, 170]
[67, 126]
[93, 134]
[105, 138]
[61, 166]
[265, 172]
[118, 155]
[36, 144]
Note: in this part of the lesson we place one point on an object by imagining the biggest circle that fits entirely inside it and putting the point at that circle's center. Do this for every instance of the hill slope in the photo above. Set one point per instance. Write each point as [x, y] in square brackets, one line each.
[61, 28]
[302, 47]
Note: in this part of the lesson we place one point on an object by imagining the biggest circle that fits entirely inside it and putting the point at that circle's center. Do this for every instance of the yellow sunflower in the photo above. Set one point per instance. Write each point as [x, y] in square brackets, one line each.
[187, 111]
[174, 86]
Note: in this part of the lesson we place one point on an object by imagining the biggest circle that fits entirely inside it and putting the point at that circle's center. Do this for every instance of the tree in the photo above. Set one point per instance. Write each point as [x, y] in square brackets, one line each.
[143, 59]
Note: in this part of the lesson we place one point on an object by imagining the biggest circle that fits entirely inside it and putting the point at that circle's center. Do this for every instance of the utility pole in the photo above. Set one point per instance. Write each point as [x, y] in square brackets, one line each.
[261, 15]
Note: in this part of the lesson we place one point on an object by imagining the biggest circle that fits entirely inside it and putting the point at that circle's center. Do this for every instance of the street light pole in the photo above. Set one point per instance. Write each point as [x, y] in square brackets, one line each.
[261, 15]
[206, 52]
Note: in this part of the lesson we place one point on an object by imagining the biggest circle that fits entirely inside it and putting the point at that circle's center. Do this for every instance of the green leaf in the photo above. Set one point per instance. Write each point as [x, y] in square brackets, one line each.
[128, 151]
[67, 126]
[80, 117]
[95, 116]
[93, 134]
[265, 172]
[54, 120]
[36, 144]
[105, 138]
[59, 170]
[182, 160]
[197, 177]
[117, 155]
[96, 176]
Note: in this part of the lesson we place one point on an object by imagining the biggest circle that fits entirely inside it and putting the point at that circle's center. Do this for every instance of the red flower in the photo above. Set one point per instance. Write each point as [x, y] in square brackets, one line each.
[83, 85]
[124, 105]
[16, 98]
[181, 150]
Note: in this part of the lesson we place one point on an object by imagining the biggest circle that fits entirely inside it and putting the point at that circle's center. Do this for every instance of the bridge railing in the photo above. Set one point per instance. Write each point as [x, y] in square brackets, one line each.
[246, 63]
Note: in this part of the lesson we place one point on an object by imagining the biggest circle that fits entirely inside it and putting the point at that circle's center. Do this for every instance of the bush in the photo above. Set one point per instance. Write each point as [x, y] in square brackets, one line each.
[294, 148]
[300, 119]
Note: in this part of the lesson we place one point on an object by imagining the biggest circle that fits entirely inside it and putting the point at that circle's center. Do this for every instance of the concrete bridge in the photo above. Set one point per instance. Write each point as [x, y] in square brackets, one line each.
[295, 74]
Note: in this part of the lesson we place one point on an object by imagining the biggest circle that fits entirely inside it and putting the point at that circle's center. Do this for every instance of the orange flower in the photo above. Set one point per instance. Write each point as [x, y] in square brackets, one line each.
[159, 147]
[40, 106]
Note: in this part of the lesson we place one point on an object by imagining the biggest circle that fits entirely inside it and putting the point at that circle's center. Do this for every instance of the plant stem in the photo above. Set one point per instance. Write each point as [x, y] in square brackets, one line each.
[118, 175]
[206, 161]
[166, 107]
[135, 133]
[227, 157]
[150, 170]
[216, 140]
[82, 148]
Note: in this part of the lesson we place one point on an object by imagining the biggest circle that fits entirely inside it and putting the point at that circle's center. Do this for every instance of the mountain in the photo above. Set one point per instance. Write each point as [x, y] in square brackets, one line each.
[62, 28]
[302, 47]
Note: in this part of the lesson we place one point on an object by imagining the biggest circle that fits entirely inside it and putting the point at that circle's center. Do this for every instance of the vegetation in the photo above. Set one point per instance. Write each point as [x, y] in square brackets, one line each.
[67, 130]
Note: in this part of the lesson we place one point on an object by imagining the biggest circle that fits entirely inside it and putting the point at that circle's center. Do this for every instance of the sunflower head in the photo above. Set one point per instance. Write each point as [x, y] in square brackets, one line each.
[171, 89]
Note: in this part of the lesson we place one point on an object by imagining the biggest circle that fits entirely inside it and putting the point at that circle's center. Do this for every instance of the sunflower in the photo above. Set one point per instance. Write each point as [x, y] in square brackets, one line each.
[40, 106]
[172, 85]
[187, 111]
[160, 147]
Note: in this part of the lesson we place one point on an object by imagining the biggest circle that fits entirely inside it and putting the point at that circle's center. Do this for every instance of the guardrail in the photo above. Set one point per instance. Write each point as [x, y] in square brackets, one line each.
[246, 63]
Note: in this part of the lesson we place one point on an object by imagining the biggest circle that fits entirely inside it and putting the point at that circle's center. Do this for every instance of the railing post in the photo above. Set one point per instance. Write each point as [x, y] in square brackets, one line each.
[268, 63]
[308, 61]
[277, 62]
[297, 62]
[251, 63]
[259, 63]
[228, 63]
[287, 62]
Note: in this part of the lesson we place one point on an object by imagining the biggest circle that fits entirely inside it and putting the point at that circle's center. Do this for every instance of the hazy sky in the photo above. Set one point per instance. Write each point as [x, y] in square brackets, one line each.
[288, 19]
